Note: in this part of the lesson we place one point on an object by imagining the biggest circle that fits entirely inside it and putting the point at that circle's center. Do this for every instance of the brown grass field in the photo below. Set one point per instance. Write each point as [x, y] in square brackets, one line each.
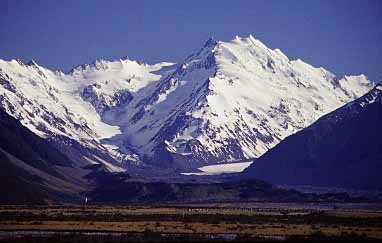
[193, 220]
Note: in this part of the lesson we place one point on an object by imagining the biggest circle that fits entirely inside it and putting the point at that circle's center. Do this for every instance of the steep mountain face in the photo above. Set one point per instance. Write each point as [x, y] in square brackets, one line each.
[341, 149]
[228, 101]
[32, 170]
[231, 100]
[67, 108]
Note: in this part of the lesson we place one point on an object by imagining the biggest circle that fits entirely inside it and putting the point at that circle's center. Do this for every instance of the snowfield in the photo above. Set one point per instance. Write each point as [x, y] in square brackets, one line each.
[220, 169]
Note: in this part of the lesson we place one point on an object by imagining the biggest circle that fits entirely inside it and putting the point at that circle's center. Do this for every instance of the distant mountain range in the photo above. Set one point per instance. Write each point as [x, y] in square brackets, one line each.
[35, 172]
[124, 130]
[228, 101]
[342, 149]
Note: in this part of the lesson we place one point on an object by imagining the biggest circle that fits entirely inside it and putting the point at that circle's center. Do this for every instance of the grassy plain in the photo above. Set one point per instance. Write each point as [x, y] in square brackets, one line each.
[194, 220]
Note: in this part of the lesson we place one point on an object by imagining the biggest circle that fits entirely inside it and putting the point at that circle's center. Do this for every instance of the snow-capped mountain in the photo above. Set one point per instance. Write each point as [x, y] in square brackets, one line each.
[231, 100]
[68, 108]
[343, 149]
[228, 101]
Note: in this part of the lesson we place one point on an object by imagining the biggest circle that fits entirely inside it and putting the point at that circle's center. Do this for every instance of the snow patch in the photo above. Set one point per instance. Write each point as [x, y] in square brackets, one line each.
[220, 169]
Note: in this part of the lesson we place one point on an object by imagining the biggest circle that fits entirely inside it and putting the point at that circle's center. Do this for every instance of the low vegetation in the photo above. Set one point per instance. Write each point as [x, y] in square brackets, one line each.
[193, 223]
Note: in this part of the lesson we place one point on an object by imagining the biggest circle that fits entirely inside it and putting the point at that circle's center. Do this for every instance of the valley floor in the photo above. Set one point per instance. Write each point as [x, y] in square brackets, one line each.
[246, 222]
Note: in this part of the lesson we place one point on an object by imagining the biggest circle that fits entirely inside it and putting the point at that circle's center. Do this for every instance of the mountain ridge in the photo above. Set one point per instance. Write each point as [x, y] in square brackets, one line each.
[342, 149]
[227, 101]
[34, 170]
[205, 71]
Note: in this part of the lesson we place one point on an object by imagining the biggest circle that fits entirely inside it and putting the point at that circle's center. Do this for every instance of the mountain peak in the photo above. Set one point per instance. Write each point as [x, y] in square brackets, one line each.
[253, 39]
[228, 100]
[210, 42]
[125, 58]
[32, 63]
[378, 86]
[250, 39]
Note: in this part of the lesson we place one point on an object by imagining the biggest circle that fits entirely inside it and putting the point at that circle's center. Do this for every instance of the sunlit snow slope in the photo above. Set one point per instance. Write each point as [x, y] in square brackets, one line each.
[69, 107]
[228, 101]
[231, 100]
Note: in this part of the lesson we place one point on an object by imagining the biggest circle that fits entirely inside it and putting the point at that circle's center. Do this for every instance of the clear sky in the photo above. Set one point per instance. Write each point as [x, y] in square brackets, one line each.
[343, 36]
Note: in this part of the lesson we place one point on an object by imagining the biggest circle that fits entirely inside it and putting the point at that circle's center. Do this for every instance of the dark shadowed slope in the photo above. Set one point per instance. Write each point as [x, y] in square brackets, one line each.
[32, 171]
[341, 149]
[120, 192]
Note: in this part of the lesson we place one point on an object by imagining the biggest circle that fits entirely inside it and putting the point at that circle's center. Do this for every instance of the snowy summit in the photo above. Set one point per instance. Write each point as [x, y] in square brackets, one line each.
[228, 101]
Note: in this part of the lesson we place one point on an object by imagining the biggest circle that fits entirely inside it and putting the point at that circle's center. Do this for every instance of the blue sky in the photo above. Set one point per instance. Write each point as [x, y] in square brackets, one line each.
[343, 36]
